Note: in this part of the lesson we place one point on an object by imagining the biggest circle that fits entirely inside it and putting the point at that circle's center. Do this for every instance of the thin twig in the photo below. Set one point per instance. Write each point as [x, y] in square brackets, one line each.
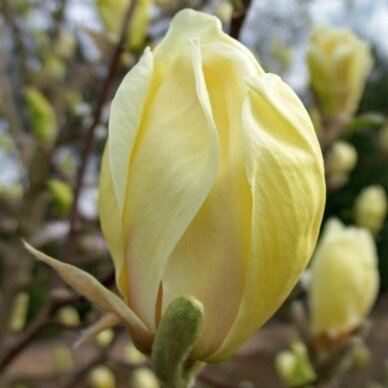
[78, 376]
[68, 249]
[42, 321]
[238, 19]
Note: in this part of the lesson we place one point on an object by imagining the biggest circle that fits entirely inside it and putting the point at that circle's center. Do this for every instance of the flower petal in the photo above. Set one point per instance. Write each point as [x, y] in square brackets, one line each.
[173, 168]
[188, 24]
[285, 170]
[111, 224]
[218, 238]
[124, 122]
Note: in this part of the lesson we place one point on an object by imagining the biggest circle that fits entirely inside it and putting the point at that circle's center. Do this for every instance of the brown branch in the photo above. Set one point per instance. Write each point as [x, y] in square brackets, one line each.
[43, 320]
[238, 19]
[68, 249]
[214, 381]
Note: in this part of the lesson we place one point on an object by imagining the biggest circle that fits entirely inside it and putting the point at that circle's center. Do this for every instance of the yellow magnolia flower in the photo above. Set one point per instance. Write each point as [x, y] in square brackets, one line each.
[371, 208]
[344, 280]
[212, 186]
[339, 63]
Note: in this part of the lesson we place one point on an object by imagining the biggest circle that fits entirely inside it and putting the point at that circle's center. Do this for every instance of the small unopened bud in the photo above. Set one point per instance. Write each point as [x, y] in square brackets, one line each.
[340, 161]
[19, 313]
[361, 356]
[143, 378]
[62, 194]
[133, 356]
[371, 208]
[101, 377]
[105, 338]
[68, 315]
[224, 11]
[285, 363]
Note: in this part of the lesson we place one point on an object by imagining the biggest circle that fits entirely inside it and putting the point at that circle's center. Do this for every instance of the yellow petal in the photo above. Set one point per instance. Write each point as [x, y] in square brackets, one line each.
[90, 288]
[124, 122]
[173, 168]
[218, 239]
[188, 24]
[285, 171]
[111, 224]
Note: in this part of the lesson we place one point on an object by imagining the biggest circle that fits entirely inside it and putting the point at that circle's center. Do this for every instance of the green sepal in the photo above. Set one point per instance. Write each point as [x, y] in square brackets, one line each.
[178, 330]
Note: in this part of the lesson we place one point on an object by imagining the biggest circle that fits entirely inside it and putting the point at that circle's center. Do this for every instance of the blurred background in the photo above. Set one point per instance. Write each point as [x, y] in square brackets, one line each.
[60, 64]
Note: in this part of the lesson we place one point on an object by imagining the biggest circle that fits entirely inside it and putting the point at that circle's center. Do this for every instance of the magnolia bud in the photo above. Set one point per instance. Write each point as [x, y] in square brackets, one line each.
[68, 315]
[143, 378]
[133, 356]
[340, 161]
[104, 338]
[101, 377]
[371, 208]
[285, 363]
[19, 312]
[344, 281]
[339, 63]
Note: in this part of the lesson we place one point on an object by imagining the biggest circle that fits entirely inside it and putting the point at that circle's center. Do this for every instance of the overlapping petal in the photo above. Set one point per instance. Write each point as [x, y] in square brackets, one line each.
[285, 171]
[173, 168]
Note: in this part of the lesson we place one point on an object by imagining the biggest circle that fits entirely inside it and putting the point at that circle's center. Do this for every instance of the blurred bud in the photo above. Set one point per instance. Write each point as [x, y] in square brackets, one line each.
[285, 363]
[53, 67]
[19, 312]
[344, 282]
[101, 377]
[371, 208]
[42, 114]
[62, 194]
[112, 13]
[294, 366]
[105, 338]
[63, 359]
[361, 356]
[68, 315]
[383, 139]
[224, 11]
[65, 44]
[339, 162]
[66, 162]
[282, 53]
[143, 378]
[133, 356]
[339, 63]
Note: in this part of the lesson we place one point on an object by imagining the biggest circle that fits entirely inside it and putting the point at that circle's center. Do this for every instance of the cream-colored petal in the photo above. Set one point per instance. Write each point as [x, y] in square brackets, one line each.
[124, 122]
[173, 168]
[188, 24]
[90, 288]
[218, 238]
[285, 170]
[111, 224]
